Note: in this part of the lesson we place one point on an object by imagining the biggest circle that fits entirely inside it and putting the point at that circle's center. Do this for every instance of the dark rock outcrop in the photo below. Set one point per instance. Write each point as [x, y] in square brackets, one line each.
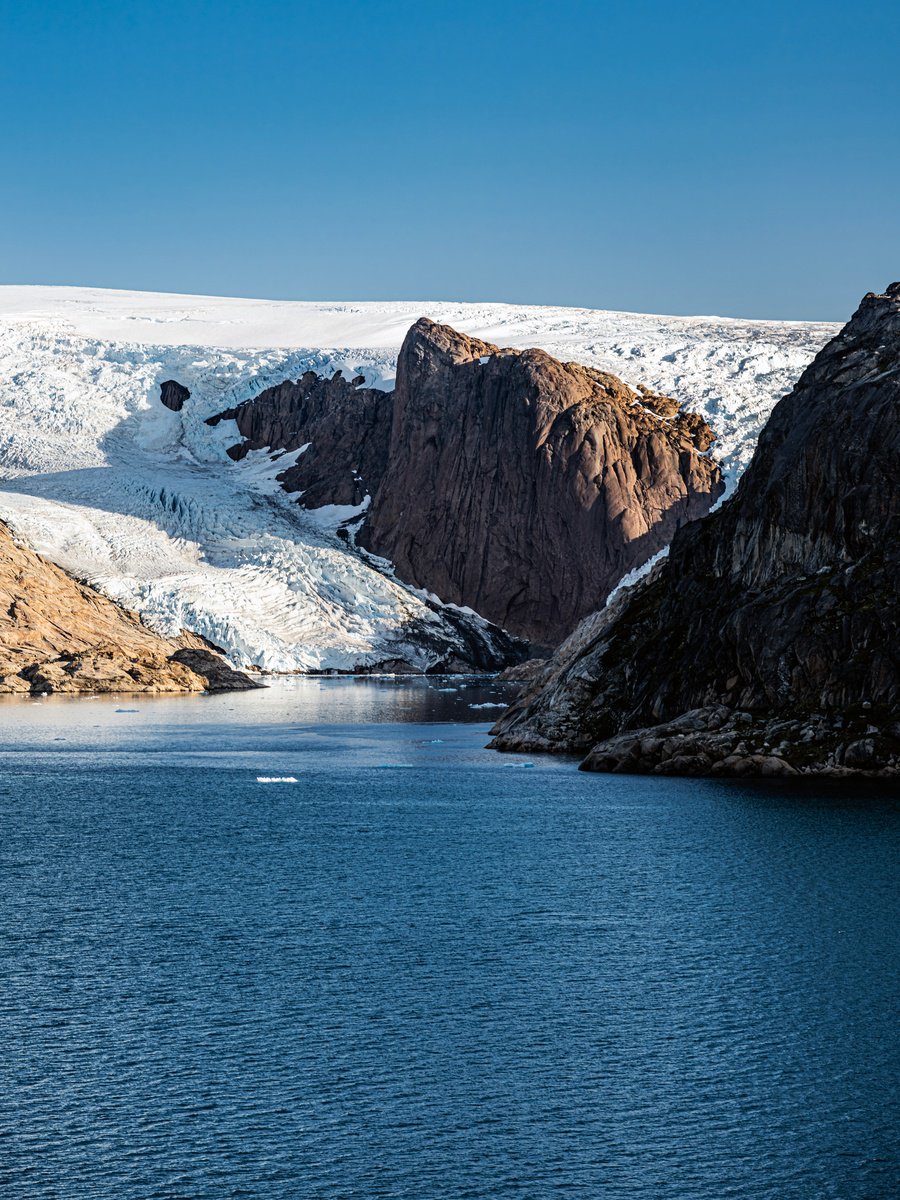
[450, 643]
[525, 488]
[341, 427]
[59, 635]
[173, 394]
[769, 641]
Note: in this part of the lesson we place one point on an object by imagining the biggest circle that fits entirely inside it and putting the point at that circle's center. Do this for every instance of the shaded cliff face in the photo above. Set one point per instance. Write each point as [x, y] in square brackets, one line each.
[777, 618]
[58, 635]
[341, 429]
[525, 488]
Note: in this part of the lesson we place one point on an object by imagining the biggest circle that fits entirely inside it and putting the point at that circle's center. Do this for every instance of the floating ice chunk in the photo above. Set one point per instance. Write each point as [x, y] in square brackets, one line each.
[526, 765]
[276, 779]
[490, 704]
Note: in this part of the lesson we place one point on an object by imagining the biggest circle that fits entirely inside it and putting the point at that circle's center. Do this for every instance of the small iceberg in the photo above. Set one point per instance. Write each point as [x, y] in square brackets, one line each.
[526, 765]
[490, 704]
[276, 779]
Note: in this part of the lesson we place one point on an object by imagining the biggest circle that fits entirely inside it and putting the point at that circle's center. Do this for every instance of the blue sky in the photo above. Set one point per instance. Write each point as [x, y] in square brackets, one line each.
[741, 159]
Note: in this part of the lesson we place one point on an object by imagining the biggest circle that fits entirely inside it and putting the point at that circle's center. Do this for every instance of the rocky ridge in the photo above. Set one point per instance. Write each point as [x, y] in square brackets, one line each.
[59, 635]
[767, 642]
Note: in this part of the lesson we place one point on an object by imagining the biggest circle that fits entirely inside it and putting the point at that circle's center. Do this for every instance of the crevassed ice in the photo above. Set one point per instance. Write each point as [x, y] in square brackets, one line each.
[144, 503]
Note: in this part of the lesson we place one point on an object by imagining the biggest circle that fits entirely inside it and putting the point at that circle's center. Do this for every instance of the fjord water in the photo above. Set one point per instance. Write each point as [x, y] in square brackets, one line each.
[426, 970]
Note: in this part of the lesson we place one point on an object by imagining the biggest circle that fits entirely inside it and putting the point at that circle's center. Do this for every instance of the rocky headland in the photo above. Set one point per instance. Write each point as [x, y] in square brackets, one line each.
[59, 635]
[768, 642]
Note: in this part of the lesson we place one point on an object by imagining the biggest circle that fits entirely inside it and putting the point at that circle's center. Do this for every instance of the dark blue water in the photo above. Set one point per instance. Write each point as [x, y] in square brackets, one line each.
[425, 970]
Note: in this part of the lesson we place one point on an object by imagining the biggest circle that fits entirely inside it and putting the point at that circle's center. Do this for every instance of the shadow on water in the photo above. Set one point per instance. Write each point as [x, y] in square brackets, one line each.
[819, 792]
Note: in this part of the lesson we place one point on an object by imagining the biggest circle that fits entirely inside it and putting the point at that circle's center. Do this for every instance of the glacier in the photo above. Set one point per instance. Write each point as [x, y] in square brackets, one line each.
[145, 504]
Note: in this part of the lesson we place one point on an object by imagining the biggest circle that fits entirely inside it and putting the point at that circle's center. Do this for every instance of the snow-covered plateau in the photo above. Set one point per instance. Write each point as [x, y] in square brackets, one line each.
[145, 504]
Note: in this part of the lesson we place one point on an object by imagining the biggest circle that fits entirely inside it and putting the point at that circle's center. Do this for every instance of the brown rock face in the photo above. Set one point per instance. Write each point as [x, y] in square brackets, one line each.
[346, 428]
[58, 635]
[525, 488]
[772, 632]
[500, 480]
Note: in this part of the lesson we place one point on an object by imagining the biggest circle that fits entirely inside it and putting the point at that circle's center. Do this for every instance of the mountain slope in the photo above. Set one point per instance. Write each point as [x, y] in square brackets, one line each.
[524, 487]
[768, 641]
[57, 635]
[503, 481]
[104, 480]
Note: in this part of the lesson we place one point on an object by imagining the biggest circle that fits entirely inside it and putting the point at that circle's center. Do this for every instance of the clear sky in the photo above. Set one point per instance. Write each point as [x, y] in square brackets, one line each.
[740, 158]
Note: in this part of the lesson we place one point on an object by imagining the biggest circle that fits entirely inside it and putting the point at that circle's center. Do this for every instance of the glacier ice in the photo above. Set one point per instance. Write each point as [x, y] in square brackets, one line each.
[145, 504]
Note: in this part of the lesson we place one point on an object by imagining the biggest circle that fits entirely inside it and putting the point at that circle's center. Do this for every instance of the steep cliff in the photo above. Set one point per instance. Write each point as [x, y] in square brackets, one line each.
[524, 487]
[58, 635]
[769, 641]
[503, 481]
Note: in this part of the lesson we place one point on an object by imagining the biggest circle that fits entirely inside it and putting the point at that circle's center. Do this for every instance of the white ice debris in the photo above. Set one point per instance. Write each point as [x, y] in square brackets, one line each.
[96, 474]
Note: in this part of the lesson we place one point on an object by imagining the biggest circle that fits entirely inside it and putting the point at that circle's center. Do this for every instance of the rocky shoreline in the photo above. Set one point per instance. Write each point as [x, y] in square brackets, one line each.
[718, 741]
